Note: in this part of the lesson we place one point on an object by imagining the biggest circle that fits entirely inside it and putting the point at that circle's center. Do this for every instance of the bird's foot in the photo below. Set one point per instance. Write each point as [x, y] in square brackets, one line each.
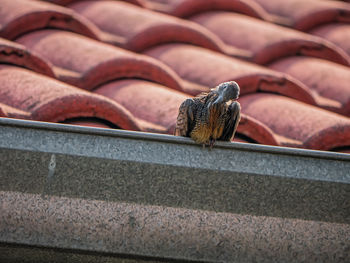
[211, 143]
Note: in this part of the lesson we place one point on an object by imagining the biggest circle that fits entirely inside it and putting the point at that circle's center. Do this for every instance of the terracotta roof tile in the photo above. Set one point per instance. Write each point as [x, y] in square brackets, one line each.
[256, 131]
[10, 112]
[16, 54]
[297, 124]
[50, 100]
[89, 122]
[87, 63]
[305, 15]
[186, 8]
[67, 2]
[267, 41]
[328, 80]
[149, 29]
[129, 90]
[18, 17]
[337, 33]
[210, 68]
[147, 101]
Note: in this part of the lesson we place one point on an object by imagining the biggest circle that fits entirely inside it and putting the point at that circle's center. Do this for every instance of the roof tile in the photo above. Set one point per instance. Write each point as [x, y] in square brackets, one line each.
[297, 124]
[137, 28]
[16, 54]
[186, 8]
[305, 15]
[337, 33]
[18, 17]
[87, 63]
[50, 100]
[89, 122]
[328, 80]
[10, 112]
[67, 2]
[147, 101]
[267, 41]
[210, 68]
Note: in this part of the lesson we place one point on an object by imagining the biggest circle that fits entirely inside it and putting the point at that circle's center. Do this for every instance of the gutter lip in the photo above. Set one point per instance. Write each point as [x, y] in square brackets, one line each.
[165, 138]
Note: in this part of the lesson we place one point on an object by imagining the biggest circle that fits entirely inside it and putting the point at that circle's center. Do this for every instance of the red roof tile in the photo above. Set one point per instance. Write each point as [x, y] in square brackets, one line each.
[18, 17]
[50, 100]
[122, 96]
[87, 63]
[10, 112]
[267, 41]
[256, 131]
[16, 54]
[89, 122]
[297, 124]
[305, 15]
[66, 2]
[328, 80]
[147, 101]
[337, 33]
[186, 8]
[210, 68]
[137, 28]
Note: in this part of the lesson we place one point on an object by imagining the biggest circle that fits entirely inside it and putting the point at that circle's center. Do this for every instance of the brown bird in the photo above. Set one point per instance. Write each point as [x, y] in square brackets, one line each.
[210, 116]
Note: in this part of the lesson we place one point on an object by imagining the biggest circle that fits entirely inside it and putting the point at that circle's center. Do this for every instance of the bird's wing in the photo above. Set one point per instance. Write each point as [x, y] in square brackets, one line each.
[231, 122]
[185, 118]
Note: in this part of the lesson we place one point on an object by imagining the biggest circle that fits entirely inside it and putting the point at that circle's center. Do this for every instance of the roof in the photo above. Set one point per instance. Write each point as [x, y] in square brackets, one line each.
[126, 66]
[130, 64]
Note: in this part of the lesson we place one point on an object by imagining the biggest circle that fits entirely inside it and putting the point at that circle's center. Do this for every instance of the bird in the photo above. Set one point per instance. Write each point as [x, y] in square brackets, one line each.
[210, 116]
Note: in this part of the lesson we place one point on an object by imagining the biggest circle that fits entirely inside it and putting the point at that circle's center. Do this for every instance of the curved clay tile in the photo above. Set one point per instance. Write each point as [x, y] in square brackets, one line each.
[327, 79]
[305, 15]
[256, 131]
[297, 124]
[89, 122]
[18, 17]
[10, 112]
[337, 33]
[87, 63]
[186, 8]
[209, 69]
[267, 41]
[147, 101]
[50, 100]
[67, 2]
[16, 54]
[138, 28]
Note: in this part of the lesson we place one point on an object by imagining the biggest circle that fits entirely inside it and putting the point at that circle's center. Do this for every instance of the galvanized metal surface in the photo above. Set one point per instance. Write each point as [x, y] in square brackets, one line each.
[289, 203]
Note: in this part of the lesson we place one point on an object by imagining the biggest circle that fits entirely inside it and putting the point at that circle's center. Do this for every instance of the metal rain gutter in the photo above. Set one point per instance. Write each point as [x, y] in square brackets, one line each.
[152, 195]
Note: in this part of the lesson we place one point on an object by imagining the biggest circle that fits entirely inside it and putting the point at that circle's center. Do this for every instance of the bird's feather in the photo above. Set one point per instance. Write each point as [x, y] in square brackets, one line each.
[209, 117]
[185, 118]
[233, 116]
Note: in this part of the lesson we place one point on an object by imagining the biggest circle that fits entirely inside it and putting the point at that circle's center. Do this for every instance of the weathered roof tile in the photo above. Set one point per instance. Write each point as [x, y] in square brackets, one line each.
[50, 100]
[139, 28]
[210, 68]
[305, 15]
[186, 8]
[18, 17]
[328, 80]
[87, 63]
[337, 33]
[267, 41]
[297, 124]
[16, 54]
[147, 101]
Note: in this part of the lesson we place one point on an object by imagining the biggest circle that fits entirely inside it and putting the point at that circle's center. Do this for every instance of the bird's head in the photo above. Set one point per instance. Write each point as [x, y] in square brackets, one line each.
[226, 91]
